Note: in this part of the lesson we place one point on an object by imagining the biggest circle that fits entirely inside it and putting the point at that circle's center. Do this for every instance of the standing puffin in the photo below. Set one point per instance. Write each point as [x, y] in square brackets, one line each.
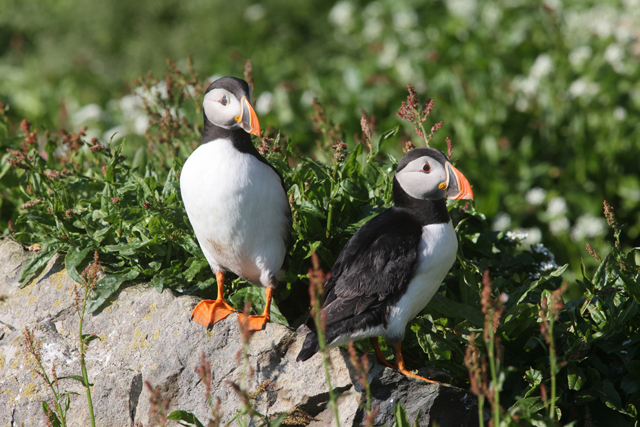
[394, 264]
[235, 200]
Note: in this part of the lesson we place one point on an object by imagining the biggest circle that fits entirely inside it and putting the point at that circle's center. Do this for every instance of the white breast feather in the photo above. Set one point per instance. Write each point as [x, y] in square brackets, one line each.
[236, 205]
[438, 248]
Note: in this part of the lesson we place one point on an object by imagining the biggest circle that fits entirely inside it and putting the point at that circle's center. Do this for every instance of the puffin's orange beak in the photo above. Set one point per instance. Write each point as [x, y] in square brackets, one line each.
[459, 187]
[248, 119]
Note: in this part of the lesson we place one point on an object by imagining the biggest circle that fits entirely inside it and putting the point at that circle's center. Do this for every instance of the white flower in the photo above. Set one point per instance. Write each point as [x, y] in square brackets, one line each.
[141, 124]
[529, 86]
[535, 235]
[352, 79]
[515, 236]
[465, 9]
[491, 14]
[388, 55]
[554, 5]
[341, 15]
[525, 236]
[614, 54]
[619, 113]
[539, 248]
[535, 196]
[579, 56]
[542, 67]
[264, 104]
[405, 71]
[255, 12]
[548, 265]
[522, 104]
[405, 20]
[307, 97]
[557, 207]
[559, 226]
[588, 226]
[582, 88]
[502, 221]
[88, 113]
[116, 133]
[372, 29]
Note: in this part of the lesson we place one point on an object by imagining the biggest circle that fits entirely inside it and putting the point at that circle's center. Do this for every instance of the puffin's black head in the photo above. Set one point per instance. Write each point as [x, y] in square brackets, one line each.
[426, 174]
[227, 104]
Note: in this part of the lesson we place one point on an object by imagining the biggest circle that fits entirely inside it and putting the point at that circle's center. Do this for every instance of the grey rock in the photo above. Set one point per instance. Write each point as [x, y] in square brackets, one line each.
[145, 336]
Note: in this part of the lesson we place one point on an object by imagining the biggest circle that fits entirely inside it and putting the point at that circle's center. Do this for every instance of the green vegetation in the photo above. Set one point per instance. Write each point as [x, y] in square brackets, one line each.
[540, 103]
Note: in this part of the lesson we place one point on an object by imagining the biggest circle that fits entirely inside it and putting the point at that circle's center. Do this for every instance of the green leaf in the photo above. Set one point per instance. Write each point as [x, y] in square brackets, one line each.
[78, 378]
[384, 136]
[108, 286]
[185, 416]
[354, 189]
[575, 377]
[34, 265]
[632, 286]
[51, 415]
[454, 309]
[522, 292]
[400, 416]
[534, 378]
[609, 396]
[158, 280]
[351, 167]
[601, 273]
[196, 267]
[87, 338]
[75, 257]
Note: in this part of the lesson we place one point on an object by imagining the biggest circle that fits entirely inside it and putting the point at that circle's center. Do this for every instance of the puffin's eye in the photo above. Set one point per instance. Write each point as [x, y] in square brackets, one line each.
[224, 100]
[426, 168]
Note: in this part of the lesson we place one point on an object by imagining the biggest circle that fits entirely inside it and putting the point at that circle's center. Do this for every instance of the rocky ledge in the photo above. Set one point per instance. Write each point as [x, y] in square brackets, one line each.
[145, 336]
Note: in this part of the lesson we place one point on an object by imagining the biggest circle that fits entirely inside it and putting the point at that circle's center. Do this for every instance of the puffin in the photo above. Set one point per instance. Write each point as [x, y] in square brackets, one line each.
[235, 200]
[393, 265]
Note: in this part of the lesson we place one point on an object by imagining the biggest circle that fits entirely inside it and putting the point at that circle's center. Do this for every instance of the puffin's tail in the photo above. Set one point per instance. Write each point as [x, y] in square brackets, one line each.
[309, 347]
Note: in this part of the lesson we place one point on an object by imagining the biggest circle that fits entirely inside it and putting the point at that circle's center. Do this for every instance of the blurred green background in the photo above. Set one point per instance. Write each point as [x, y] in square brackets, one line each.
[541, 99]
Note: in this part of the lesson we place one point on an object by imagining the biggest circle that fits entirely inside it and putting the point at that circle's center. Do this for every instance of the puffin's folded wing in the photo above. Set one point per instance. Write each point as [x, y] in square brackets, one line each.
[374, 267]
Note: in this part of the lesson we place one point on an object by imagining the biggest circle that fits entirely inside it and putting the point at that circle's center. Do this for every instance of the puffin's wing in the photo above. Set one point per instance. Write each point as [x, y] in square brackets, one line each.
[374, 265]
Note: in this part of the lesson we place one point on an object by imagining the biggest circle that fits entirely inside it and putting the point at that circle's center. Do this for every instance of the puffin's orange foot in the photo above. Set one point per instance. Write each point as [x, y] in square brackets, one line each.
[209, 312]
[409, 374]
[257, 322]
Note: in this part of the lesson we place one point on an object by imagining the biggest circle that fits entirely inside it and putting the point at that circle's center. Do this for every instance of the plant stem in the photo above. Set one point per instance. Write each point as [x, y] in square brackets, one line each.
[424, 135]
[83, 365]
[494, 366]
[56, 396]
[325, 362]
[552, 360]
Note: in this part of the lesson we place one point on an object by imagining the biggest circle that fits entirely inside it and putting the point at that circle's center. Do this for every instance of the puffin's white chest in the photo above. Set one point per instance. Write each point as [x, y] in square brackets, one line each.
[438, 248]
[237, 207]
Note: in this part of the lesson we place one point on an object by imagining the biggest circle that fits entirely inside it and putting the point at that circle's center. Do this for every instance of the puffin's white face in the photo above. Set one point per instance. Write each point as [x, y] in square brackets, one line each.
[424, 178]
[222, 108]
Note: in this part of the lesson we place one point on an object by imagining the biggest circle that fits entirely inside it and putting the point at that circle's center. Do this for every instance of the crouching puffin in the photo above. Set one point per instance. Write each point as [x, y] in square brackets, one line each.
[235, 200]
[394, 264]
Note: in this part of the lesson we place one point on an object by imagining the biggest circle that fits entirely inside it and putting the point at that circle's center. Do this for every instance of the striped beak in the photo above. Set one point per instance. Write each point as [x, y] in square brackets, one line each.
[248, 119]
[458, 187]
